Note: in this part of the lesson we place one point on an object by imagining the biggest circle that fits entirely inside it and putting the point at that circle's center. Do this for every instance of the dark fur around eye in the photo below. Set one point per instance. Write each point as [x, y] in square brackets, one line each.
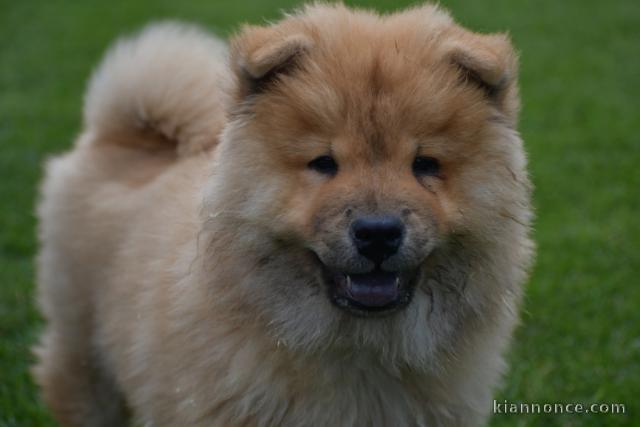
[426, 166]
[325, 165]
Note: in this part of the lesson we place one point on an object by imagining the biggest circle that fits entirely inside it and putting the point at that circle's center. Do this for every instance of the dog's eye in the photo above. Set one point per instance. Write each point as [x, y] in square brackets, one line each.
[325, 165]
[426, 166]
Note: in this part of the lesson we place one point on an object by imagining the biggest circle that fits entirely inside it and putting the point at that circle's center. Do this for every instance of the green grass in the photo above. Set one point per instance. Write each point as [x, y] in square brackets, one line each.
[580, 78]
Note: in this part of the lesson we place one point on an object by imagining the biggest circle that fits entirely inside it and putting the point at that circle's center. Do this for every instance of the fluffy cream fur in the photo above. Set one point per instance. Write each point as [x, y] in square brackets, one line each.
[174, 271]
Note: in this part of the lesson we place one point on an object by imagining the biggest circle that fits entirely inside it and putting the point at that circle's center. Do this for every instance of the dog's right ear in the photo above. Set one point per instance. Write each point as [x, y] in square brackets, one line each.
[260, 55]
[488, 62]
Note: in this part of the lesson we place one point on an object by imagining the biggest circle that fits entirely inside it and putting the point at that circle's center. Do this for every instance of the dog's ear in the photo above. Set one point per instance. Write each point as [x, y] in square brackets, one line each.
[260, 55]
[489, 63]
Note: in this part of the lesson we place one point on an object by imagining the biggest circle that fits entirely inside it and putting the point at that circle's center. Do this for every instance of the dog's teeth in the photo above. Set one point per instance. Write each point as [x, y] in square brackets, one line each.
[397, 283]
[348, 281]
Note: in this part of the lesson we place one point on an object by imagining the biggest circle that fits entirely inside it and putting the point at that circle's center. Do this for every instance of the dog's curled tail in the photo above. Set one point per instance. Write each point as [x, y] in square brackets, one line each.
[166, 87]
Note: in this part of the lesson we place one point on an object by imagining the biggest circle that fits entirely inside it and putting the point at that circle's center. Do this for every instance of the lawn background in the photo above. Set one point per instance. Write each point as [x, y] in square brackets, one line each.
[580, 79]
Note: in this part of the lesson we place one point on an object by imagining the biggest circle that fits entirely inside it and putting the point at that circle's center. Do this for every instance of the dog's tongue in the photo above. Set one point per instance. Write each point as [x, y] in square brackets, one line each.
[376, 289]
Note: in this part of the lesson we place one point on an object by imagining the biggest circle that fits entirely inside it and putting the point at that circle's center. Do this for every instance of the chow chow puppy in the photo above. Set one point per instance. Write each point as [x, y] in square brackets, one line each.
[326, 226]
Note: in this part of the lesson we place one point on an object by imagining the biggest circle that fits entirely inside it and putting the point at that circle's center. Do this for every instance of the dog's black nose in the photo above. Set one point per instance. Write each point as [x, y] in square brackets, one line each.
[377, 237]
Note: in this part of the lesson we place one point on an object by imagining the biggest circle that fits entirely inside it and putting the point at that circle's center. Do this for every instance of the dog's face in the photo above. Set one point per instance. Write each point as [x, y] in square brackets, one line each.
[368, 154]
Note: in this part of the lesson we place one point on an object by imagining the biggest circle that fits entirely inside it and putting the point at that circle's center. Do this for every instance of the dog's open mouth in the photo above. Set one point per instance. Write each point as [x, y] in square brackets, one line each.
[376, 292]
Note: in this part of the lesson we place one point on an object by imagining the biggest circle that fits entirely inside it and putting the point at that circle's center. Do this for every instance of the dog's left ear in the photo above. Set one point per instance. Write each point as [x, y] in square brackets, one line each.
[489, 63]
[260, 55]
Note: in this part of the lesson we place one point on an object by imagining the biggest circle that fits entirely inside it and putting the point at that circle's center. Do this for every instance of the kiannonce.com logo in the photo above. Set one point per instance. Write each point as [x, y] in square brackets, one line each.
[506, 407]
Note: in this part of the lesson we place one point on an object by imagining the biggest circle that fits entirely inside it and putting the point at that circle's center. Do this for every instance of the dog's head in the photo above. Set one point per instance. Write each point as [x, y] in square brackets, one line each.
[372, 172]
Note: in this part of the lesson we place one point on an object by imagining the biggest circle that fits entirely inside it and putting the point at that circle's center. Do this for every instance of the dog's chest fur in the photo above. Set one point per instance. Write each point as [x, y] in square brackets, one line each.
[254, 390]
